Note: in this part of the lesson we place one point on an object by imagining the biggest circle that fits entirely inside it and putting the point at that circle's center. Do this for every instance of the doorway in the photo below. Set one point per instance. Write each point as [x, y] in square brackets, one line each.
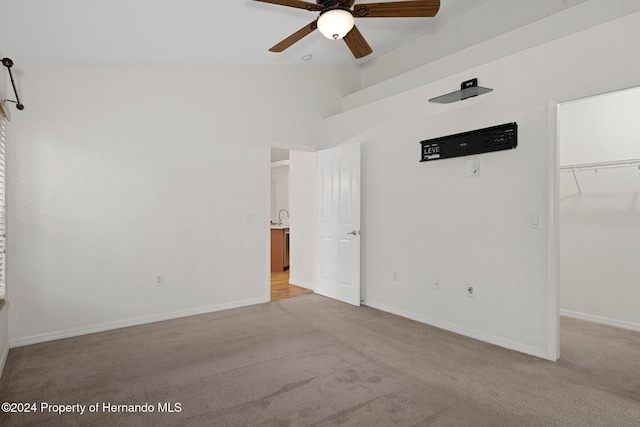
[292, 222]
[599, 222]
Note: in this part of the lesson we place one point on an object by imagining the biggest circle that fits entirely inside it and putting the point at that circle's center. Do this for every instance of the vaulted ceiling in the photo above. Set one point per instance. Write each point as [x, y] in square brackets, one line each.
[226, 32]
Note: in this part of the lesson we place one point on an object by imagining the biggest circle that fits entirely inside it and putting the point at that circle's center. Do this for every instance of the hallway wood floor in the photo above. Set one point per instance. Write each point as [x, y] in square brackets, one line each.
[281, 289]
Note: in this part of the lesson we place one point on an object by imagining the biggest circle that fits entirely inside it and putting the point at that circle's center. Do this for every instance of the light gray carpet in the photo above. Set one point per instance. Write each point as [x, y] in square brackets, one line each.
[301, 362]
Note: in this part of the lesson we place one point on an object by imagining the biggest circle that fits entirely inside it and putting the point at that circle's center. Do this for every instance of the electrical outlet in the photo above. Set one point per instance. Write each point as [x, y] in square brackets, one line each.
[436, 285]
[472, 167]
[160, 280]
[470, 291]
[396, 276]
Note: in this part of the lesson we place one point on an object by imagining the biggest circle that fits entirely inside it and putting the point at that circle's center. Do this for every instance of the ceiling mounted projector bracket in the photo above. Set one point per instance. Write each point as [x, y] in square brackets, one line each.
[468, 89]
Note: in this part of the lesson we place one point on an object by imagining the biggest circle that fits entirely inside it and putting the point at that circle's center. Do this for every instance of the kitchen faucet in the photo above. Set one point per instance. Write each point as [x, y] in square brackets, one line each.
[280, 215]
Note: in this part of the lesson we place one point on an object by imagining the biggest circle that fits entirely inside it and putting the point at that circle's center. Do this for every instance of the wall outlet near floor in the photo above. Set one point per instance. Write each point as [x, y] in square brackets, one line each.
[470, 291]
[396, 276]
[160, 280]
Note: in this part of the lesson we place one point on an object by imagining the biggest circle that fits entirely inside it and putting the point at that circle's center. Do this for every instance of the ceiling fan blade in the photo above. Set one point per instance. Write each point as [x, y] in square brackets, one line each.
[357, 44]
[295, 37]
[295, 3]
[397, 9]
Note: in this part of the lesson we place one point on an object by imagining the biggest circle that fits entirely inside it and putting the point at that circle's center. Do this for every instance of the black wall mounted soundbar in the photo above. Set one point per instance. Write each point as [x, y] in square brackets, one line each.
[495, 138]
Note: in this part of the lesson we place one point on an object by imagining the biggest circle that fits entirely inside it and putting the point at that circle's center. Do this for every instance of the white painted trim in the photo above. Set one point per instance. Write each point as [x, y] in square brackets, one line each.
[553, 178]
[5, 350]
[3, 358]
[471, 333]
[553, 235]
[267, 229]
[74, 332]
[301, 283]
[289, 146]
[623, 324]
[281, 163]
[284, 146]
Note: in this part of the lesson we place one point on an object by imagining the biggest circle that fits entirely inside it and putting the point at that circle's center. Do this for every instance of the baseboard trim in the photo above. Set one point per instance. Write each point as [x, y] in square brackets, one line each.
[470, 333]
[75, 332]
[623, 324]
[301, 283]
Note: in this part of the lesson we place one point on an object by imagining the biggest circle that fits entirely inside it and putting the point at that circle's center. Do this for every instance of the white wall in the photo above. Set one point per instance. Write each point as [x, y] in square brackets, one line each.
[475, 26]
[600, 228]
[427, 221]
[302, 186]
[120, 174]
[600, 128]
[280, 192]
[404, 68]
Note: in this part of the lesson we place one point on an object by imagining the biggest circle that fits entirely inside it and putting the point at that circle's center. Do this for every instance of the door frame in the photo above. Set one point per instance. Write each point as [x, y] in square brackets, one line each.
[267, 172]
[553, 205]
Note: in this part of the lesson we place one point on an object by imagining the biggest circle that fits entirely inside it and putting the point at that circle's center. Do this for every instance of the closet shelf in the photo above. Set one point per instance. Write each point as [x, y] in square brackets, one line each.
[602, 165]
[599, 165]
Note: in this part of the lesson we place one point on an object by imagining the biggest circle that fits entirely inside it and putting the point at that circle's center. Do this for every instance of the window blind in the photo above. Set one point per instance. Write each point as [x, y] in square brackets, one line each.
[3, 149]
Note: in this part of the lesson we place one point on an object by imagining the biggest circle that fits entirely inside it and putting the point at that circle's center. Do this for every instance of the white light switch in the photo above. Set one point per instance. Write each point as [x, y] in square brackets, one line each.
[535, 221]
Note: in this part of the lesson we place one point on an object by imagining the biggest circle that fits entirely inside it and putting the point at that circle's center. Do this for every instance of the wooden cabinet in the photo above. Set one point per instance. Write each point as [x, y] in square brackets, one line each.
[279, 249]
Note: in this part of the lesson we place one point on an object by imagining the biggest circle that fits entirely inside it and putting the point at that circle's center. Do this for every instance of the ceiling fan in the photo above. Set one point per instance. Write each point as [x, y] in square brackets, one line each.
[336, 19]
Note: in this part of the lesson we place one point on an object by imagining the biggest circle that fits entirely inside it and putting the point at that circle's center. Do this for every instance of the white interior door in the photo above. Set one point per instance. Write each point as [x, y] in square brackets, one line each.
[338, 254]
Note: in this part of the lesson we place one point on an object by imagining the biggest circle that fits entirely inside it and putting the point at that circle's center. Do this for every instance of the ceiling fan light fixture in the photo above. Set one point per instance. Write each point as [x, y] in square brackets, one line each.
[336, 23]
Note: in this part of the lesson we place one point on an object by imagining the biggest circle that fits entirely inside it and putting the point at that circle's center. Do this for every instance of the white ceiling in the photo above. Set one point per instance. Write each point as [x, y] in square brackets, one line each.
[203, 32]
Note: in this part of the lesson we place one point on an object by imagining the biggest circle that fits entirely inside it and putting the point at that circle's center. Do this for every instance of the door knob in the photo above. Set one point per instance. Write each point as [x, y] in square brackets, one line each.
[354, 232]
